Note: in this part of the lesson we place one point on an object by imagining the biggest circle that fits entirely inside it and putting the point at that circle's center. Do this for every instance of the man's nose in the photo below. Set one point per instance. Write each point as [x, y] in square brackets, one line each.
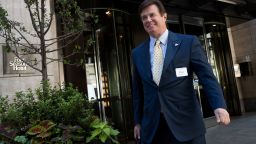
[148, 19]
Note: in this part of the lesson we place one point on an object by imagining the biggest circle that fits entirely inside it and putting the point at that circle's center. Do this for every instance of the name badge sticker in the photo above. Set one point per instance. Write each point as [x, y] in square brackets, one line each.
[181, 72]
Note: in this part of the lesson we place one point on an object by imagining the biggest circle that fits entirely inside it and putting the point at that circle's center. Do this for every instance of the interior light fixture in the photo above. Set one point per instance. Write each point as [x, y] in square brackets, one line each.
[228, 1]
[108, 12]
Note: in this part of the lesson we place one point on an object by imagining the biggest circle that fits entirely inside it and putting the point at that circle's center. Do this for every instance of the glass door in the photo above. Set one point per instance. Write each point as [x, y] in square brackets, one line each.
[112, 72]
[220, 58]
[194, 26]
[214, 40]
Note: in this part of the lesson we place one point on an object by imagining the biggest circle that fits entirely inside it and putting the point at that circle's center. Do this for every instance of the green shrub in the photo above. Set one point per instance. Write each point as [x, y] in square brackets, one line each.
[102, 132]
[66, 105]
[68, 110]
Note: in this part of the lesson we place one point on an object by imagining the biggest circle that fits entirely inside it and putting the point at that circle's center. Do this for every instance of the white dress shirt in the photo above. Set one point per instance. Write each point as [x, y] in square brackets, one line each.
[163, 43]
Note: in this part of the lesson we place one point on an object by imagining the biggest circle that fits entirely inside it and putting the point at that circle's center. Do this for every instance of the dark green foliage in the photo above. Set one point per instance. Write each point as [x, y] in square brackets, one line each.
[62, 105]
[71, 15]
[3, 22]
[55, 115]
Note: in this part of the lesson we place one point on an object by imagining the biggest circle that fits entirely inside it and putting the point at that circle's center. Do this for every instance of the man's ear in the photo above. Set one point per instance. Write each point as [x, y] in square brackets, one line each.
[165, 15]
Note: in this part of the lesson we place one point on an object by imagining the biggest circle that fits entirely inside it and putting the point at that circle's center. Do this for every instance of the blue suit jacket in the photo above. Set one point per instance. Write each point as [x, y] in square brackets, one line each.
[174, 96]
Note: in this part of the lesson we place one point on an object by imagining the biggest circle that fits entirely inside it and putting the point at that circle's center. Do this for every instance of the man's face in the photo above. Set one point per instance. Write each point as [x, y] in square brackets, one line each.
[153, 21]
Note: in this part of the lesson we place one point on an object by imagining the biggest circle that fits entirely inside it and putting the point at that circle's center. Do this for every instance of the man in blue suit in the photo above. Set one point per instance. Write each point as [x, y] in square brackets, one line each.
[166, 109]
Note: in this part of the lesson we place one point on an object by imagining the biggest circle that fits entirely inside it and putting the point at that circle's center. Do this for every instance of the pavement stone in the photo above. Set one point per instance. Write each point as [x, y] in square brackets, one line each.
[241, 130]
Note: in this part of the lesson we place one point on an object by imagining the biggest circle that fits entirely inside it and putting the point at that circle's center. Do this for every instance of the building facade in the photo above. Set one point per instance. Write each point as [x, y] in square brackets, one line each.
[119, 30]
[242, 39]
[226, 35]
[15, 75]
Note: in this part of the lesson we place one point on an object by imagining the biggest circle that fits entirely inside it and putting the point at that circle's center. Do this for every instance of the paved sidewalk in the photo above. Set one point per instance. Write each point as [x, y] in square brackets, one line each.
[241, 130]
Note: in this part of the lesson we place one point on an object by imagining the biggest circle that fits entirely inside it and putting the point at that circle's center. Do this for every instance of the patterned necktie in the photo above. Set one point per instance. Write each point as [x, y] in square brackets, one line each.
[158, 60]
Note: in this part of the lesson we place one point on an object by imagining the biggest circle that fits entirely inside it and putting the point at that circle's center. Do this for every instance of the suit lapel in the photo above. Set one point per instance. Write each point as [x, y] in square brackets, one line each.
[146, 60]
[172, 47]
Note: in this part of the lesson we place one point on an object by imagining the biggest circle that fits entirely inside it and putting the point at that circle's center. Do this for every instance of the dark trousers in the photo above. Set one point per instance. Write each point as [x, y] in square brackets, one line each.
[164, 135]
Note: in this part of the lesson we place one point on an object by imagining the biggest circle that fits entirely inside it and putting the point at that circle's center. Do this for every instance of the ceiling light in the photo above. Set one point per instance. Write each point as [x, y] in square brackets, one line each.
[108, 12]
[228, 1]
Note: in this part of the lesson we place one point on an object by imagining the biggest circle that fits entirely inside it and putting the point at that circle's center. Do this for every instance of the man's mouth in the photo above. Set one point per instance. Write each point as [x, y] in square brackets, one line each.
[150, 26]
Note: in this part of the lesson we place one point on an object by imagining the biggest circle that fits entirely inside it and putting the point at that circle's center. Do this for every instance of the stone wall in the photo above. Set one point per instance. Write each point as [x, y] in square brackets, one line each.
[12, 82]
[244, 52]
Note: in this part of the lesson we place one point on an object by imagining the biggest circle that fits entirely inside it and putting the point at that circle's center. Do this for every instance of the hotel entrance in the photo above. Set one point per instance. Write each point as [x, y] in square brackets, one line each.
[108, 69]
[108, 66]
[114, 41]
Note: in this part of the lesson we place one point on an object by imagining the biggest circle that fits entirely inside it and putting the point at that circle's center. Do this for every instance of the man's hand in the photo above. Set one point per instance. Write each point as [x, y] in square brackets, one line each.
[137, 131]
[222, 116]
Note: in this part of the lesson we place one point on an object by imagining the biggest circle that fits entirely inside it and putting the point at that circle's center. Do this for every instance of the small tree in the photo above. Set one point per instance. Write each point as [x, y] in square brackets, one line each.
[16, 35]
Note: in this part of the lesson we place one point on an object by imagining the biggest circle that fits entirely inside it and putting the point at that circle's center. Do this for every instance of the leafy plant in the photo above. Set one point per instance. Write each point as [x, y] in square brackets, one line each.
[18, 112]
[7, 132]
[102, 132]
[70, 134]
[21, 139]
[64, 115]
[41, 131]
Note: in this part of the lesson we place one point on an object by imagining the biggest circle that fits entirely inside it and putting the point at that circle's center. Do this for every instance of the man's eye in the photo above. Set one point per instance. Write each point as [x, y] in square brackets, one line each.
[144, 18]
[152, 15]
